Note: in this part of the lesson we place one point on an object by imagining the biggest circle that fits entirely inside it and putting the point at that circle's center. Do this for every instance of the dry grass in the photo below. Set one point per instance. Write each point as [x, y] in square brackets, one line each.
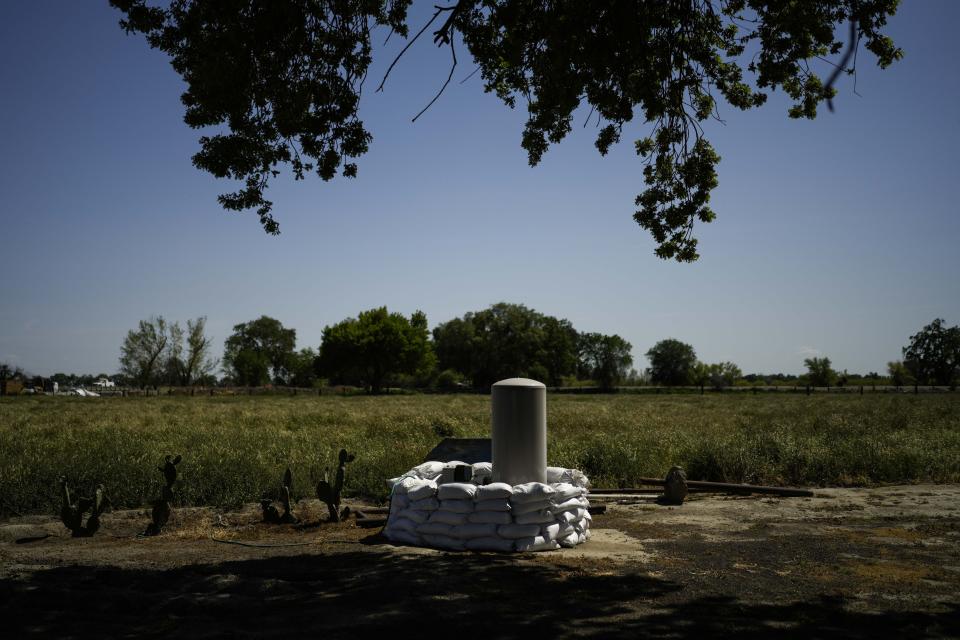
[235, 449]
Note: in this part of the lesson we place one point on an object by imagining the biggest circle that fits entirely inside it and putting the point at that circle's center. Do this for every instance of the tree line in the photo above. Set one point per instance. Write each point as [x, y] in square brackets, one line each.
[379, 348]
[932, 357]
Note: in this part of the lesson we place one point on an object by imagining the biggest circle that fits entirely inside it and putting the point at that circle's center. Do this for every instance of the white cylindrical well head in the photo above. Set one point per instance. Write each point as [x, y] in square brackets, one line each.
[519, 431]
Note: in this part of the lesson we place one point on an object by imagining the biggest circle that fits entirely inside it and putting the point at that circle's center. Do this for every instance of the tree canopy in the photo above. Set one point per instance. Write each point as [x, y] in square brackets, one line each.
[605, 359]
[144, 352]
[505, 341]
[374, 346]
[718, 375]
[282, 79]
[259, 351]
[820, 372]
[154, 354]
[672, 362]
[933, 355]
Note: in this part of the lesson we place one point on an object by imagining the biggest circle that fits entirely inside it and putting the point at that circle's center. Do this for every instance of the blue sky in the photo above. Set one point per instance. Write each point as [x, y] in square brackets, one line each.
[835, 237]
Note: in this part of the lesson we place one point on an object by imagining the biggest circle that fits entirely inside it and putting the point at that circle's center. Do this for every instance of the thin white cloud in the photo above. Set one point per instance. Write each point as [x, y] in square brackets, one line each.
[809, 352]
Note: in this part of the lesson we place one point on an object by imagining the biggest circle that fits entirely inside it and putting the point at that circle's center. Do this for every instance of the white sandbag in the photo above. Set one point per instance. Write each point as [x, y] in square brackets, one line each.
[530, 507]
[493, 490]
[434, 529]
[568, 505]
[497, 504]
[531, 492]
[535, 543]
[457, 506]
[448, 517]
[558, 475]
[430, 470]
[535, 517]
[403, 484]
[404, 537]
[456, 491]
[421, 490]
[427, 504]
[490, 517]
[444, 542]
[416, 516]
[482, 471]
[570, 540]
[402, 524]
[399, 502]
[474, 530]
[565, 491]
[493, 517]
[550, 531]
[516, 531]
[489, 544]
[573, 516]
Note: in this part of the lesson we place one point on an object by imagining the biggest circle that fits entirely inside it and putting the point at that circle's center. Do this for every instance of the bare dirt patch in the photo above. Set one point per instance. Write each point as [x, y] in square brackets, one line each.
[848, 563]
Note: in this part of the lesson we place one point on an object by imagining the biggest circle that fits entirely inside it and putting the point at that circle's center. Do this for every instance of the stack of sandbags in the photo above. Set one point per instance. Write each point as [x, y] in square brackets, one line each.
[487, 517]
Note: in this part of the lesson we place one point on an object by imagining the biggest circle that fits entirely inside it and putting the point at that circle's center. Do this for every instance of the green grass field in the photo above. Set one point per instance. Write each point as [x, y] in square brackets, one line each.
[236, 448]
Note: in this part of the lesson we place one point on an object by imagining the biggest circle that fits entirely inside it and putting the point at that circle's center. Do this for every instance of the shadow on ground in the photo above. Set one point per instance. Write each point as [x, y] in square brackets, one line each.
[377, 590]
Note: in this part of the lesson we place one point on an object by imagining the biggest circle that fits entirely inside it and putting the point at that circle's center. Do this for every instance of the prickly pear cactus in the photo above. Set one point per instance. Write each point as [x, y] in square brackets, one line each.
[160, 514]
[270, 513]
[330, 493]
[100, 504]
[285, 489]
[71, 513]
[169, 470]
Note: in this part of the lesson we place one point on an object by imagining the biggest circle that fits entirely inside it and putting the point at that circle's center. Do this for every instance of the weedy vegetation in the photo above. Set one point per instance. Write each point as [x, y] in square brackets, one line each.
[234, 448]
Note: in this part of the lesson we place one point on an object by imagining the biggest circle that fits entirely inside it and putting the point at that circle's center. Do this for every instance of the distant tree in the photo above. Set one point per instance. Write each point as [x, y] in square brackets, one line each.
[259, 351]
[700, 374]
[197, 364]
[717, 375]
[10, 372]
[457, 346]
[173, 358]
[506, 341]
[819, 372]
[279, 83]
[61, 379]
[671, 362]
[558, 350]
[723, 374]
[144, 353]
[374, 346]
[303, 368]
[933, 355]
[899, 374]
[604, 359]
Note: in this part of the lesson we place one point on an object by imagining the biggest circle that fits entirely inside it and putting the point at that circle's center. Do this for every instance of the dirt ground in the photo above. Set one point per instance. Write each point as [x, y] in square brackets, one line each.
[848, 563]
